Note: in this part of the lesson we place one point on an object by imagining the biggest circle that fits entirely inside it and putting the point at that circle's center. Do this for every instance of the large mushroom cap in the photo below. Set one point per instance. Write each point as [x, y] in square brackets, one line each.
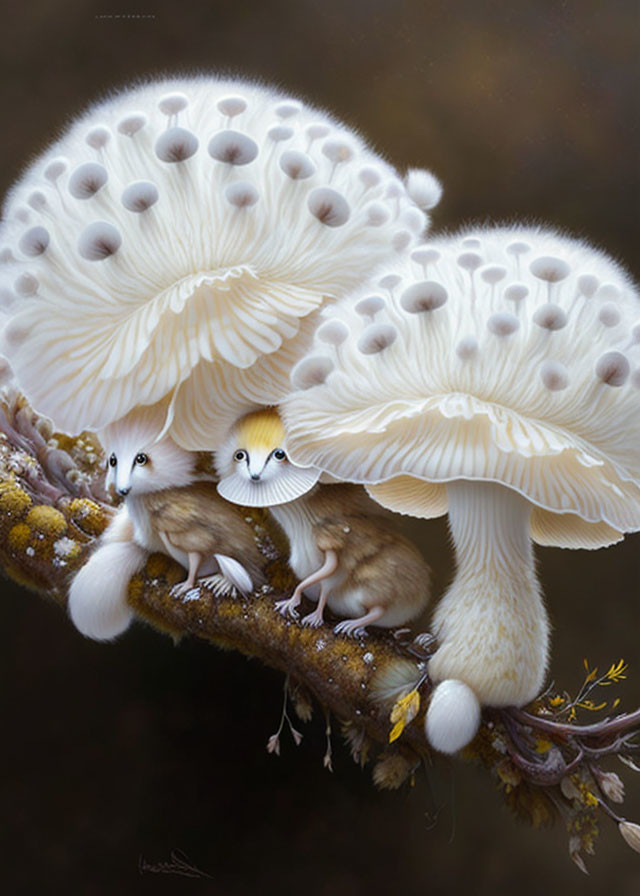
[509, 356]
[187, 223]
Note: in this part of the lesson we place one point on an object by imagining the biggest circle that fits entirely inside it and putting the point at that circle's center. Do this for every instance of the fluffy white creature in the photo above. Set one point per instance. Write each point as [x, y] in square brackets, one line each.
[167, 508]
[342, 546]
[493, 375]
[178, 240]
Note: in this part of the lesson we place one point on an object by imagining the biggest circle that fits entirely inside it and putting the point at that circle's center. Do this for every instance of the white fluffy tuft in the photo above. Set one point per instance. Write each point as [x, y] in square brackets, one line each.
[98, 595]
[424, 188]
[453, 716]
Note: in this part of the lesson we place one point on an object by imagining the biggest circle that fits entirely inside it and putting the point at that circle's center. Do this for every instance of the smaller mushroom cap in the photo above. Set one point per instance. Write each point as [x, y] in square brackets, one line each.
[537, 395]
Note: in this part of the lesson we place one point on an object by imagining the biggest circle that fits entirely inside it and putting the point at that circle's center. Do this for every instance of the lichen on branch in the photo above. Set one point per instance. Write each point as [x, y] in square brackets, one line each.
[53, 508]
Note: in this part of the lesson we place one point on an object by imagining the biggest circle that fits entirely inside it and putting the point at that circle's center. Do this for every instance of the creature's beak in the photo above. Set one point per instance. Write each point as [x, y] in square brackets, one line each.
[255, 477]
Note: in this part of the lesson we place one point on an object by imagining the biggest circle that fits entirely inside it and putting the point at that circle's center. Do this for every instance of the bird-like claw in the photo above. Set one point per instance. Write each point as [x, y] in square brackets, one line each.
[218, 585]
[350, 628]
[182, 588]
[288, 607]
[425, 640]
[314, 619]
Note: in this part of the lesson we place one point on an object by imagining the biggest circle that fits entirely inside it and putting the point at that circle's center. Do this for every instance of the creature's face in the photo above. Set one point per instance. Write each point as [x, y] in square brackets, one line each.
[254, 467]
[136, 466]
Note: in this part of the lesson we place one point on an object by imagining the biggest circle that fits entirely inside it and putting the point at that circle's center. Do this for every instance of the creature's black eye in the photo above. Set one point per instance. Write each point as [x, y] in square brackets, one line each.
[279, 454]
[141, 459]
[113, 460]
[239, 455]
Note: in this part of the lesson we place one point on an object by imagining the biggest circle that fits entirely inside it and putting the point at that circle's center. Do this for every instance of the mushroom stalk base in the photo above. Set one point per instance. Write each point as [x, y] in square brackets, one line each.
[491, 623]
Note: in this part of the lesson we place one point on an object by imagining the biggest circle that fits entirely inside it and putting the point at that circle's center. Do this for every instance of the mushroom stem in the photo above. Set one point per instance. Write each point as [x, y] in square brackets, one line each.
[491, 623]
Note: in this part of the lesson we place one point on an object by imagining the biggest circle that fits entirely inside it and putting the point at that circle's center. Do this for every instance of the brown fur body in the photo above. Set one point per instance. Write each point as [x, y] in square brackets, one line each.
[194, 518]
[377, 567]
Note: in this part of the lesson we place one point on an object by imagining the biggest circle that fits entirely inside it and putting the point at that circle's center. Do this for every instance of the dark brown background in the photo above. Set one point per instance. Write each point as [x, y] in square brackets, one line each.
[135, 749]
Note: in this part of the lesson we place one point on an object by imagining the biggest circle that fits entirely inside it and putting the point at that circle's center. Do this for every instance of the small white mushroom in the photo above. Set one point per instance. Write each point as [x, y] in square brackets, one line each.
[376, 337]
[550, 317]
[333, 332]
[173, 103]
[54, 169]
[467, 348]
[87, 179]
[279, 133]
[377, 214]
[427, 295]
[588, 284]
[328, 206]
[516, 293]
[502, 323]
[35, 241]
[130, 125]
[241, 194]
[97, 138]
[554, 375]
[370, 306]
[140, 196]
[518, 247]
[297, 165]
[231, 106]
[233, 148]
[389, 282]
[176, 145]
[37, 201]
[288, 109]
[311, 372]
[469, 261]
[369, 177]
[613, 368]
[493, 273]
[27, 285]
[98, 241]
[609, 315]
[337, 151]
[400, 240]
[550, 269]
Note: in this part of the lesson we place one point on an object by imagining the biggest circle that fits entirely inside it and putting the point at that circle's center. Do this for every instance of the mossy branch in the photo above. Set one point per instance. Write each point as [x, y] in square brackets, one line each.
[53, 508]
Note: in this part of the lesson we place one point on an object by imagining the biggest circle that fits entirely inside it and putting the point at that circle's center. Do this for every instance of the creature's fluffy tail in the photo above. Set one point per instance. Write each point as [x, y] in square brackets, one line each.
[98, 594]
[235, 572]
[453, 716]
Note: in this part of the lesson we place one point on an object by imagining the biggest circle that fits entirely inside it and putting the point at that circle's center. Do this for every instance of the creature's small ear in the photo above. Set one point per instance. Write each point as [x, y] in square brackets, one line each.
[291, 482]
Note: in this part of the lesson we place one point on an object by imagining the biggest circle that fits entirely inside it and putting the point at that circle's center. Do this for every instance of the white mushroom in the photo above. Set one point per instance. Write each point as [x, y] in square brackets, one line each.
[521, 428]
[184, 232]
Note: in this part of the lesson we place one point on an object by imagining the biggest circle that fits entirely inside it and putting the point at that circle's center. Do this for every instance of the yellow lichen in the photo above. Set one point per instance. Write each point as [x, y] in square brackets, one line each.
[47, 520]
[19, 537]
[89, 515]
[157, 565]
[13, 500]
[136, 588]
